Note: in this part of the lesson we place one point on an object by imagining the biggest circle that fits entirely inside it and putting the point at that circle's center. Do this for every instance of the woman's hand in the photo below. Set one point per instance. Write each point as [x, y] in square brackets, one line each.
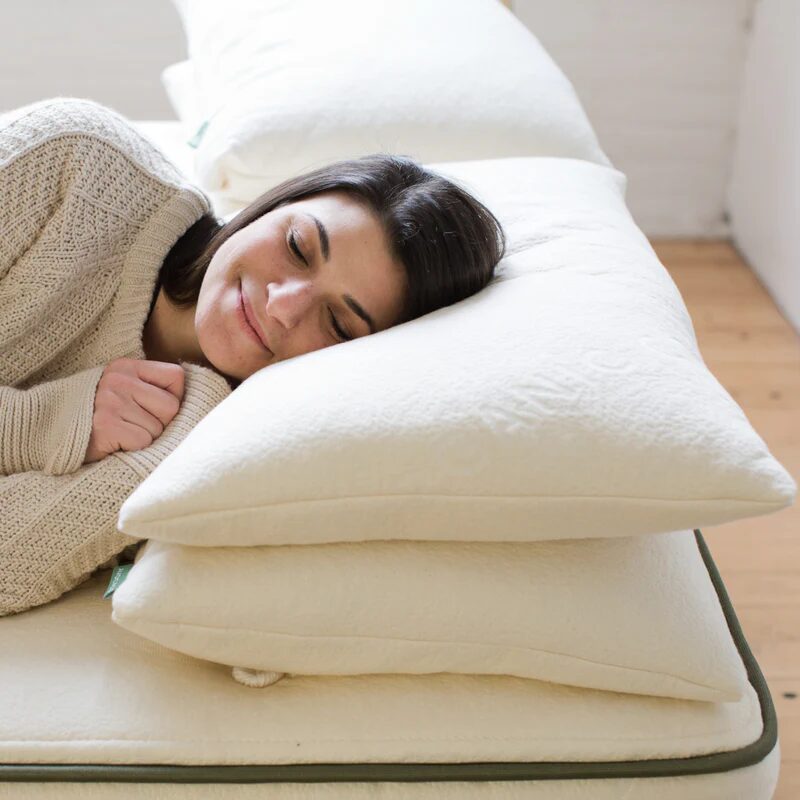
[135, 400]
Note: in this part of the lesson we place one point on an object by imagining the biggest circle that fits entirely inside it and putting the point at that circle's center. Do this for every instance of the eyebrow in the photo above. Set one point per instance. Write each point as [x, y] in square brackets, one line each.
[325, 247]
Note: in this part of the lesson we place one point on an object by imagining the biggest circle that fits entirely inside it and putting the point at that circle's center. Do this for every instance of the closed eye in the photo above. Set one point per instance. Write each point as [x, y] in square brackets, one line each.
[296, 249]
[342, 334]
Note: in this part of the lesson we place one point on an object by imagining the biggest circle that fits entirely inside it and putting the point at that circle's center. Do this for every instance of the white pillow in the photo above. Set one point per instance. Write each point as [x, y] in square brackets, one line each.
[290, 86]
[178, 82]
[635, 614]
[566, 399]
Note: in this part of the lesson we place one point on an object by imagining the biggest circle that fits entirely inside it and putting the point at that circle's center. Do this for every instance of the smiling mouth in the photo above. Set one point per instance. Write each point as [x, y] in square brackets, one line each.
[247, 321]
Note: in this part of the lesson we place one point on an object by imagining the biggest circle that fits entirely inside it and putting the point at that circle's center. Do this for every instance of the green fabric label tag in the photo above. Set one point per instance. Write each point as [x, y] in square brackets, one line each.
[195, 140]
[117, 576]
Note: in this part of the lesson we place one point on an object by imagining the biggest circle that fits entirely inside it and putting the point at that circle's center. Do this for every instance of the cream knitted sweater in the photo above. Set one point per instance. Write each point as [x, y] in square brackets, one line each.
[89, 209]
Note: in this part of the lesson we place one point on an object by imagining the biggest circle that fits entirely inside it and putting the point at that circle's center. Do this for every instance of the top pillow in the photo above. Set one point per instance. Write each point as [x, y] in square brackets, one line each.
[567, 399]
[281, 88]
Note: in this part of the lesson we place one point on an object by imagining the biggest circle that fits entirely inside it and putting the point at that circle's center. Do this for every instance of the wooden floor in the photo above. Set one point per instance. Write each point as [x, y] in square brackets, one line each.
[755, 354]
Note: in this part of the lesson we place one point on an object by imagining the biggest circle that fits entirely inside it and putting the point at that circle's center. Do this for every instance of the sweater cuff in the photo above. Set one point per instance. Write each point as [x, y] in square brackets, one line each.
[203, 390]
[68, 439]
[47, 427]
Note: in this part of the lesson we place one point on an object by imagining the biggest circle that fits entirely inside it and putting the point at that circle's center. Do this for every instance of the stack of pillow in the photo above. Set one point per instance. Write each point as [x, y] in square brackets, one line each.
[508, 485]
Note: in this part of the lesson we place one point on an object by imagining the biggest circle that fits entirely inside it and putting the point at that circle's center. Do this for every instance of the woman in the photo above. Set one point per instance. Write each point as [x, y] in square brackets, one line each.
[120, 318]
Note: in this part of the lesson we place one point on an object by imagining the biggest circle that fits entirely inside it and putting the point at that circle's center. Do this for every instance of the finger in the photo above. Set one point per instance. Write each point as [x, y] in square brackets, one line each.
[160, 403]
[133, 436]
[134, 414]
[166, 375]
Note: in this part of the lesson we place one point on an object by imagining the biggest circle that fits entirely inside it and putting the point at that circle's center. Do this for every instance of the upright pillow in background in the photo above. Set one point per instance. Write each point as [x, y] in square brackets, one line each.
[284, 87]
[567, 399]
[178, 82]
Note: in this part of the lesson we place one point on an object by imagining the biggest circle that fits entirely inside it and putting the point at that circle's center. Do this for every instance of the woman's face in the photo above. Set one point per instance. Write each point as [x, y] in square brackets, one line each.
[297, 307]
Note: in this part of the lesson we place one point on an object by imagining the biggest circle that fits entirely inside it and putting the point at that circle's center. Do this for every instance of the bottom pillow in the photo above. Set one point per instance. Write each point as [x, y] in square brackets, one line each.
[631, 614]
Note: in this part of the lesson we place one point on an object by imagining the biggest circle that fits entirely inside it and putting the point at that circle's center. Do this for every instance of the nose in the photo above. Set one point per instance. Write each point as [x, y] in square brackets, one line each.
[289, 300]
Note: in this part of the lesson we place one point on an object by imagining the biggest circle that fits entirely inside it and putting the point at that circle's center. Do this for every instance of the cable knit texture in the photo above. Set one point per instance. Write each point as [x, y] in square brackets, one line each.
[89, 209]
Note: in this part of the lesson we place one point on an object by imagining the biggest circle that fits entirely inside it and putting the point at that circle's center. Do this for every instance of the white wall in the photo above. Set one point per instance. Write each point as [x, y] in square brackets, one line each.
[111, 51]
[764, 192]
[660, 81]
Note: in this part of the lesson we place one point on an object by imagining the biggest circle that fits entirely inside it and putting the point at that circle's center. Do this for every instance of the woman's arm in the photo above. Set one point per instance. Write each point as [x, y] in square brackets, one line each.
[54, 157]
[45, 427]
[55, 530]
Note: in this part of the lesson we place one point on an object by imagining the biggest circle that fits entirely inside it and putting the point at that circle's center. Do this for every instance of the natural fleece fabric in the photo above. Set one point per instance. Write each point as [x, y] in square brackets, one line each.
[89, 208]
[633, 614]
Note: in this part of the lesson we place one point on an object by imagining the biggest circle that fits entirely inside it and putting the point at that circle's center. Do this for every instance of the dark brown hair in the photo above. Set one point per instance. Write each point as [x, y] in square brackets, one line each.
[448, 242]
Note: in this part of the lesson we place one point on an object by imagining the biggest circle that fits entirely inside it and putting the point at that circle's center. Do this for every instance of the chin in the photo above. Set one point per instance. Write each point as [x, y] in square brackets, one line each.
[233, 380]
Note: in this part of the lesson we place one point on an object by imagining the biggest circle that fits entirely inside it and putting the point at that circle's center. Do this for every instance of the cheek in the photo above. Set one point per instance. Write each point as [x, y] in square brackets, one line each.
[208, 293]
[222, 272]
[216, 297]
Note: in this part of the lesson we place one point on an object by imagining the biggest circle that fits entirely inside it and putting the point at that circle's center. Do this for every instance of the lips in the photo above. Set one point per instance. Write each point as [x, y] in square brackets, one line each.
[250, 317]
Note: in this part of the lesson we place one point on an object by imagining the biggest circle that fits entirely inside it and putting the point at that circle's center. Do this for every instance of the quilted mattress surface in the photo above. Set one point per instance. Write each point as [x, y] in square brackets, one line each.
[86, 705]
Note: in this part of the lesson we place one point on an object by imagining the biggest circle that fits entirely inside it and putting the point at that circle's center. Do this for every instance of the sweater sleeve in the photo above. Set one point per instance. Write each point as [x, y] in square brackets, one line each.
[47, 427]
[49, 154]
[56, 530]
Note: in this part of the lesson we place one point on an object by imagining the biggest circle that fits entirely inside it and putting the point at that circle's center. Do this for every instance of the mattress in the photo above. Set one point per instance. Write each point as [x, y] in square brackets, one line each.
[88, 709]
